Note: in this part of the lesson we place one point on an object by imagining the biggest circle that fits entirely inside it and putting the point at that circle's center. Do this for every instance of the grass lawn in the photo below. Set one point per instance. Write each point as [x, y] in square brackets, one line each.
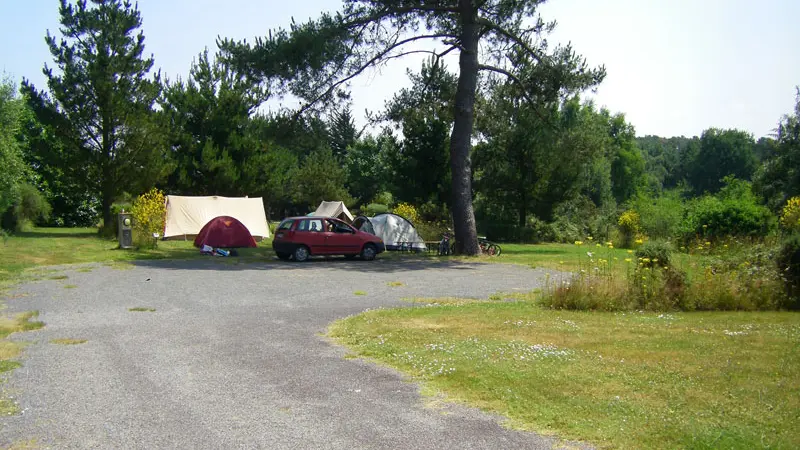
[55, 246]
[624, 380]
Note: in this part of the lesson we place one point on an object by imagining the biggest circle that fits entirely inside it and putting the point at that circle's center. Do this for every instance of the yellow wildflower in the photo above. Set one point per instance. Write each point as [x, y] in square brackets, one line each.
[578, 242]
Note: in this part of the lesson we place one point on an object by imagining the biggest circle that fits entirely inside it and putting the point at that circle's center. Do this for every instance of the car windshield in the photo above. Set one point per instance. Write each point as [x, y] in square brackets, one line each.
[285, 225]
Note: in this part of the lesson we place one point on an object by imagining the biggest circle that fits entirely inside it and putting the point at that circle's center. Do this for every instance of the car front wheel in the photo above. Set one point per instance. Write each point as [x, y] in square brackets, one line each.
[368, 252]
[301, 253]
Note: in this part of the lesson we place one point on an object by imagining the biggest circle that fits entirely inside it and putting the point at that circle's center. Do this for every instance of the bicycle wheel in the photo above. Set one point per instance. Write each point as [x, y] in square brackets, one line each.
[494, 250]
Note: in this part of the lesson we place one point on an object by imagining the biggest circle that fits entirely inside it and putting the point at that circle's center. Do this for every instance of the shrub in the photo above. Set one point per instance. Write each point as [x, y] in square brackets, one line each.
[384, 198]
[788, 262]
[655, 253]
[660, 217]
[431, 231]
[629, 228]
[710, 218]
[579, 217]
[534, 232]
[720, 284]
[30, 208]
[408, 211]
[790, 216]
[149, 210]
[431, 211]
[373, 209]
[537, 231]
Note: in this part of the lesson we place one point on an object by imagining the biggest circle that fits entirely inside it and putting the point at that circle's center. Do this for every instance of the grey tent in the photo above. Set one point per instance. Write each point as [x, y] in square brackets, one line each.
[397, 232]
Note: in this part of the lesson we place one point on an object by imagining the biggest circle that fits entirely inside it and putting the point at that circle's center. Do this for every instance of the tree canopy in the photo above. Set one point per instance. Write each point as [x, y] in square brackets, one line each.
[313, 60]
[101, 99]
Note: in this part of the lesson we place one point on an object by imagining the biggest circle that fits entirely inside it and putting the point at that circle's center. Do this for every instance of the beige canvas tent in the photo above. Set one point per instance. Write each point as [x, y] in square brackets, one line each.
[333, 209]
[187, 215]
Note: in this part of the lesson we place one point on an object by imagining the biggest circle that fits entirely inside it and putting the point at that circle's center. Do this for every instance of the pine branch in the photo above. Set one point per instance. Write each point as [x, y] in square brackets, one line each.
[525, 93]
[376, 59]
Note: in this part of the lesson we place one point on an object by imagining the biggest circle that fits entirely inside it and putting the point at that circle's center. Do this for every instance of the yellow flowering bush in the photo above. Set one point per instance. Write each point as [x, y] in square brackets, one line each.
[408, 211]
[149, 211]
[629, 227]
[790, 216]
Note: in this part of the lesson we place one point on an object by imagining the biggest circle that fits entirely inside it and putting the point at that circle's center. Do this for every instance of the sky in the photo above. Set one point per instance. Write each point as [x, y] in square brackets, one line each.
[675, 67]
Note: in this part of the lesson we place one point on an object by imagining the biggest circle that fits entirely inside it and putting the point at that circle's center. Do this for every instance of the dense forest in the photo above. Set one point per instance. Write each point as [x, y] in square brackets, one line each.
[543, 163]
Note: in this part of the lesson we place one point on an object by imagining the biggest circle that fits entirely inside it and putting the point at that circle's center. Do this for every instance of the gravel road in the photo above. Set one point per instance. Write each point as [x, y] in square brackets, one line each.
[234, 357]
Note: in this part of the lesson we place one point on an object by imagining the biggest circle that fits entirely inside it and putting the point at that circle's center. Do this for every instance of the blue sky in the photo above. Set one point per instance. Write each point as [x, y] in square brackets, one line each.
[675, 67]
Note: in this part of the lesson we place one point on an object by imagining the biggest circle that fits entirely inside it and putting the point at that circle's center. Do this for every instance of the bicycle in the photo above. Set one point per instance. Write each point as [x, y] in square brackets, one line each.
[445, 248]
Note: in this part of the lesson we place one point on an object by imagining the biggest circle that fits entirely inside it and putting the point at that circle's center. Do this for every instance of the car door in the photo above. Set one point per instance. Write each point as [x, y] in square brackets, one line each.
[343, 238]
[311, 233]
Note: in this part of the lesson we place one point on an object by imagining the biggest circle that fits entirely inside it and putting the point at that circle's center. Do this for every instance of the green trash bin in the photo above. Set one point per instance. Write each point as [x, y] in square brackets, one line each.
[125, 230]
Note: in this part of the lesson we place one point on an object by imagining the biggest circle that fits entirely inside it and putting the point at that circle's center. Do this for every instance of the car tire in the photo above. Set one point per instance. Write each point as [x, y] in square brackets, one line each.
[368, 252]
[301, 253]
[283, 256]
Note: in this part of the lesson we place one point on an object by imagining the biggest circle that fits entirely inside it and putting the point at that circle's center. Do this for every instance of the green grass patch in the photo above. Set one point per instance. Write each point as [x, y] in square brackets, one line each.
[395, 284]
[68, 341]
[624, 380]
[142, 309]
[70, 286]
[58, 277]
[360, 293]
[24, 252]
[7, 366]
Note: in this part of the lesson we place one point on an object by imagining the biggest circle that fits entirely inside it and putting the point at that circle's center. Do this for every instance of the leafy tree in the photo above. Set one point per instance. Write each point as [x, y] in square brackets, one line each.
[102, 99]
[64, 190]
[208, 117]
[421, 165]
[342, 131]
[320, 178]
[12, 109]
[721, 153]
[516, 170]
[367, 166]
[665, 160]
[627, 162]
[314, 59]
[779, 177]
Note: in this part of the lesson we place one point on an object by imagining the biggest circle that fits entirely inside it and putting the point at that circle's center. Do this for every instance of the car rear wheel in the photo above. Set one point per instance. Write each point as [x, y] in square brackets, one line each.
[301, 253]
[368, 252]
[283, 256]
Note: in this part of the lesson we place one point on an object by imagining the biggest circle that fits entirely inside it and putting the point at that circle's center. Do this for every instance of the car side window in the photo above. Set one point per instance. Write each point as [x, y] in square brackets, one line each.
[310, 225]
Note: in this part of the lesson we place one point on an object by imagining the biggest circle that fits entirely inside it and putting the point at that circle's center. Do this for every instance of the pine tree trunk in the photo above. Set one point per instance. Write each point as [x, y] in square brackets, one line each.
[460, 140]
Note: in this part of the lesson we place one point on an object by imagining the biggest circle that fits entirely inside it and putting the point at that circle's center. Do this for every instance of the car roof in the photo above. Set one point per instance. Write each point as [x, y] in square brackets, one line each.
[311, 217]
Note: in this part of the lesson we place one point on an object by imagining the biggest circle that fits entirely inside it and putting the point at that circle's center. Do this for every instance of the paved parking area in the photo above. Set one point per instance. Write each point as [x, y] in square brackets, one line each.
[234, 357]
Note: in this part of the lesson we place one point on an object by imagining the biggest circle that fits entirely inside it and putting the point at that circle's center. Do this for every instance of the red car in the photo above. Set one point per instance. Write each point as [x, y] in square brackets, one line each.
[301, 237]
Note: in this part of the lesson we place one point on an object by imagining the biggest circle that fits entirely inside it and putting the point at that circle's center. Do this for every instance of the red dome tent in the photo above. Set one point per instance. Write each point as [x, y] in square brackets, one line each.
[224, 232]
